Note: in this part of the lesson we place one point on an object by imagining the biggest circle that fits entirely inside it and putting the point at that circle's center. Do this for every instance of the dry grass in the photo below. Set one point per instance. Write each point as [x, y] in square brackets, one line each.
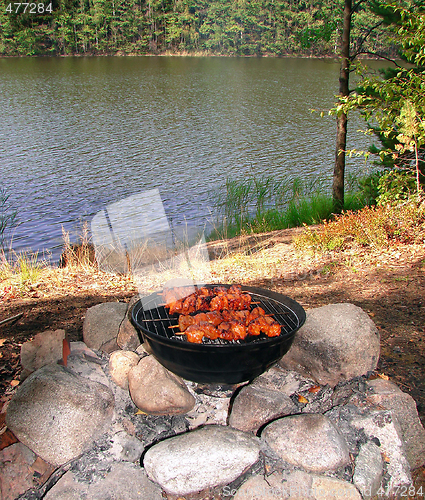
[357, 240]
[270, 257]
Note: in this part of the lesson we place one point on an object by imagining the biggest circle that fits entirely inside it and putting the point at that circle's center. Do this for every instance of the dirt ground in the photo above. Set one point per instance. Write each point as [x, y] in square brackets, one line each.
[388, 284]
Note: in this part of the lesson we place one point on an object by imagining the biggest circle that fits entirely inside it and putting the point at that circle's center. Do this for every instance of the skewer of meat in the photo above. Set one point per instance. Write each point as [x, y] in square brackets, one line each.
[203, 301]
[232, 330]
[228, 325]
[215, 318]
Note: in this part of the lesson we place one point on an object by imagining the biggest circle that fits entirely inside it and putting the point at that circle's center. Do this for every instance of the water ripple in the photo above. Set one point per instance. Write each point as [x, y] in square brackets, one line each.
[81, 133]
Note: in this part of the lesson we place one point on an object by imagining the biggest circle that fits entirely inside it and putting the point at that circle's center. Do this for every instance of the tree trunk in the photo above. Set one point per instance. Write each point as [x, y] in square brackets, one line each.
[341, 133]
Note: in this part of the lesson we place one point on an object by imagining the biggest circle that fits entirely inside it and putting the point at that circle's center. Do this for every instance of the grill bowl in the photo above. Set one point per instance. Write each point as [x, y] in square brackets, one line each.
[229, 363]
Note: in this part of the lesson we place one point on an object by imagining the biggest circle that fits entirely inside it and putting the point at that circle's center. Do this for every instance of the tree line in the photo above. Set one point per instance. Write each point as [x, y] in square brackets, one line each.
[306, 28]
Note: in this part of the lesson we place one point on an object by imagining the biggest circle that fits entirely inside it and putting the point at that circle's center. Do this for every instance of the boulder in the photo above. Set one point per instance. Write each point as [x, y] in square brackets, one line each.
[128, 338]
[58, 414]
[157, 391]
[337, 342]
[381, 427]
[310, 441]
[255, 406]
[295, 485]
[101, 325]
[403, 407]
[368, 470]
[120, 481]
[197, 460]
[87, 363]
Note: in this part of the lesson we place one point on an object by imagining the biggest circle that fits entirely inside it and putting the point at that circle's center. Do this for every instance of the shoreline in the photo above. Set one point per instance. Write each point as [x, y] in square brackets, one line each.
[333, 57]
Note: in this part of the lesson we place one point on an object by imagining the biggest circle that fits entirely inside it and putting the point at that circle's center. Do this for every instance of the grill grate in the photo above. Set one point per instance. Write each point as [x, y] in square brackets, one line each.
[155, 318]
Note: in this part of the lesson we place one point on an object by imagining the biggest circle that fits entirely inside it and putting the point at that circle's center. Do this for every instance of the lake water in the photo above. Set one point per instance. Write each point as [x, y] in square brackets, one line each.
[78, 134]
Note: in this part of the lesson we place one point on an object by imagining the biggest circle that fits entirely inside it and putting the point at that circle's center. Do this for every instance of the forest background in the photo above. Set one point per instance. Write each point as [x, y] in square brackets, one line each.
[299, 28]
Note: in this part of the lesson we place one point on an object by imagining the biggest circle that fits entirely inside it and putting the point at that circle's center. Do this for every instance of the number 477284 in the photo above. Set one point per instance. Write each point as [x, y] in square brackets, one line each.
[30, 8]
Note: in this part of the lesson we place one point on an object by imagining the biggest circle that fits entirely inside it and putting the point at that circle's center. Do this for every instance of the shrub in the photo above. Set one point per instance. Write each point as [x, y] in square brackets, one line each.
[374, 227]
[395, 186]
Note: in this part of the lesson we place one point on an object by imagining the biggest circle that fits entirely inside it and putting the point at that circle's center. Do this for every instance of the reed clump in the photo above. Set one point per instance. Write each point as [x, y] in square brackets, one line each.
[20, 272]
[80, 254]
[264, 204]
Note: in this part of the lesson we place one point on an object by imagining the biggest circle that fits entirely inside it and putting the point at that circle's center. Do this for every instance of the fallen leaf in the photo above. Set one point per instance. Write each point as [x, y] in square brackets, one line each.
[140, 412]
[382, 375]
[314, 389]
[2, 341]
[14, 383]
[302, 399]
[7, 438]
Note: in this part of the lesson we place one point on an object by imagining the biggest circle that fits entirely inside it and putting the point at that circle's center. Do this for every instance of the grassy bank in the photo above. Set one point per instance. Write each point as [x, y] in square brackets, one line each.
[263, 204]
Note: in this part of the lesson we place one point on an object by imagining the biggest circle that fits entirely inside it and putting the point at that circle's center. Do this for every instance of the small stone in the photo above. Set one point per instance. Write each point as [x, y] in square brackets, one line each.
[310, 441]
[102, 322]
[207, 457]
[254, 406]
[58, 414]
[44, 349]
[368, 470]
[120, 363]
[126, 448]
[337, 342]
[157, 391]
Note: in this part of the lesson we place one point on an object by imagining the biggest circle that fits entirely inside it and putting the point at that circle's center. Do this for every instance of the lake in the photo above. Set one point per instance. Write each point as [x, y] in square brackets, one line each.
[79, 134]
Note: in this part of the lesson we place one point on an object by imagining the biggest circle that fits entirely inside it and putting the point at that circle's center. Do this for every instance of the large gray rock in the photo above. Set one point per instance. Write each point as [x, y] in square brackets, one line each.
[157, 391]
[336, 343]
[58, 414]
[120, 481]
[45, 348]
[368, 470]
[208, 457]
[403, 407]
[380, 425]
[310, 441]
[255, 406]
[102, 323]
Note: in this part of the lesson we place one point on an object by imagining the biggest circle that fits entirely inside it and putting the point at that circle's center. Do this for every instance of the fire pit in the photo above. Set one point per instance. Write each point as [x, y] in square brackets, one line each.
[220, 363]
